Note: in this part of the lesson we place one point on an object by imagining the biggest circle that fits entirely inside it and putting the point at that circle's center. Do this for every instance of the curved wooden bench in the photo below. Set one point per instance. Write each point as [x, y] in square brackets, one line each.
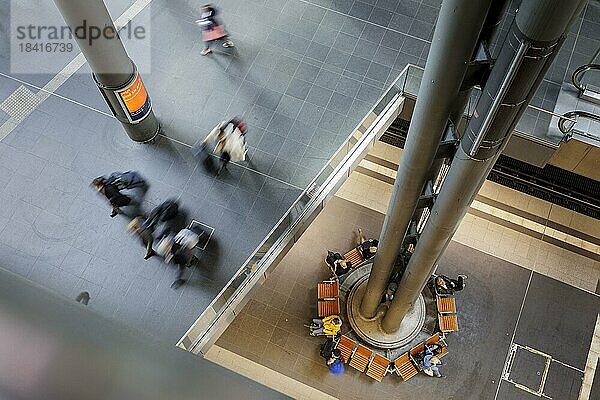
[405, 367]
[378, 367]
[361, 357]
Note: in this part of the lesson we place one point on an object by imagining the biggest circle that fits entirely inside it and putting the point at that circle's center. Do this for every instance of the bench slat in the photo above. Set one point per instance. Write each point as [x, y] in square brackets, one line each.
[354, 257]
[361, 358]
[446, 305]
[448, 322]
[328, 290]
[328, 307]
[346, 346]
[378, 367]
[404, 367]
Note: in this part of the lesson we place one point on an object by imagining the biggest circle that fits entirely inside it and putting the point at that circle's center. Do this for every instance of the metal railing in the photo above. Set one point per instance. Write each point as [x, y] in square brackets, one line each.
[580, 72]
[288, 230]
[230, 300]
[568, 122]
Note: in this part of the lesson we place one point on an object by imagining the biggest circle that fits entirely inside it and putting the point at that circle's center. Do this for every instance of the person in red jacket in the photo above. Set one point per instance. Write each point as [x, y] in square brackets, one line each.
[212, 30]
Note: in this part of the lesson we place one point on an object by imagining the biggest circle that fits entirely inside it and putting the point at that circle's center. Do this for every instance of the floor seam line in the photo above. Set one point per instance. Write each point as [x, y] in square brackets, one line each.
[366, 21]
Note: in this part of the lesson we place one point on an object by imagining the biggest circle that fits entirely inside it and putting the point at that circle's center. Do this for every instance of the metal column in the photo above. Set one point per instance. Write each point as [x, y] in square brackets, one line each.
[532, 42]
[113, 71]
[454, 40]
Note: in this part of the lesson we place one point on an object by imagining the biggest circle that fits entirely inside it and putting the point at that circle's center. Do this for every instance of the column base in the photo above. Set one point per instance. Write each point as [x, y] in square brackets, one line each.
[370, 329]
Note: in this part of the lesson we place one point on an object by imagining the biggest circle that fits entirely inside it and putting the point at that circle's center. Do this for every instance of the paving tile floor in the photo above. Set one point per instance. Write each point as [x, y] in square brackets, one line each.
[303, 73]
[270, 329]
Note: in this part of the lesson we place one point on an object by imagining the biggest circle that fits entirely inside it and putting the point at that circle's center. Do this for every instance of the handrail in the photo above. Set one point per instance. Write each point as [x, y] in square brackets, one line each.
[314, 197]
[578, 74]
[569, 117]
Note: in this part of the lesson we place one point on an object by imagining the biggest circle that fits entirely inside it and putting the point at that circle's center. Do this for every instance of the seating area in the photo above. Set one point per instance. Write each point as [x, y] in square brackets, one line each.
[406, 366]
[448, 322]
[373, 364]
[362, 358]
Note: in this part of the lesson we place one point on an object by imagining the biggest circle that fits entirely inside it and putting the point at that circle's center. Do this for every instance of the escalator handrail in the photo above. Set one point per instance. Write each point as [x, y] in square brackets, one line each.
[579, 72]
[576, 113]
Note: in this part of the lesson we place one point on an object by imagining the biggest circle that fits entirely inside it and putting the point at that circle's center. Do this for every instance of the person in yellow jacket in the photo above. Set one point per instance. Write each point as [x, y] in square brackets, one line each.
[326, 326]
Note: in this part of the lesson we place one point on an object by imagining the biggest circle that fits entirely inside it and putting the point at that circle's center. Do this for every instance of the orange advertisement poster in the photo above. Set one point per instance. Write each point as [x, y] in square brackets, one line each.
[134, 96]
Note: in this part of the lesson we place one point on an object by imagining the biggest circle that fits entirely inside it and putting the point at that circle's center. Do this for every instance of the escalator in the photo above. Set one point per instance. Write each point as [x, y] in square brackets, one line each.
[587, 81]
[550, 183]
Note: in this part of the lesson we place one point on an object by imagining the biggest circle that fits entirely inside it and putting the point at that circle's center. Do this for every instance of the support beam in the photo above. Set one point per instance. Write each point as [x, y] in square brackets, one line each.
[532, 43]
[454, 40]
[114, 72]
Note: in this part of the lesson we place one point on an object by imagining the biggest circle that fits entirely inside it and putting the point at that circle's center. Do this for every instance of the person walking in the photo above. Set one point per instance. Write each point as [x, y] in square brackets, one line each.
[227, 140]
[113, 195]
[212, 30]
[145, 227]
[179, 249]
[124, 180]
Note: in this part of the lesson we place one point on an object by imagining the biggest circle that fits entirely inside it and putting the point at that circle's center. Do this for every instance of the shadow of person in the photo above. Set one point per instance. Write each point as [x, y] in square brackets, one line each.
[207, 260]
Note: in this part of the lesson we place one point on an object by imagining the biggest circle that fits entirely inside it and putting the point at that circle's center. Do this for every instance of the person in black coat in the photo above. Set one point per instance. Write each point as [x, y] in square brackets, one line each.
[113, 195]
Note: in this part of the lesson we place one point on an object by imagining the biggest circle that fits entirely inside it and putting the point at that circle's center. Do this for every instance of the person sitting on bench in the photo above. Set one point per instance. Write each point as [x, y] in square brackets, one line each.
[335, 363]
[430, 363]
[337, 263]
[326, 326]
[367, 248]
[445, 285]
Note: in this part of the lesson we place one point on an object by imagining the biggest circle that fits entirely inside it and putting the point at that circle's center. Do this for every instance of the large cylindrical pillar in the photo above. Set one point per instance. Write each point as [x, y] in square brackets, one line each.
[113, 71]
[455, 37]
[532, 42]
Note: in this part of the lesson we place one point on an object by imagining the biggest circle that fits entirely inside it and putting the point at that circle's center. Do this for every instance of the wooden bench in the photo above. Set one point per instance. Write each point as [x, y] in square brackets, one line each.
[328, 307]
[439, 340]
[355, 257]
[448, 322]
[361, 357]
[378, 367]
[346, 347]
[446, 305]
[405, 367]
[420, 348]
[328, 290]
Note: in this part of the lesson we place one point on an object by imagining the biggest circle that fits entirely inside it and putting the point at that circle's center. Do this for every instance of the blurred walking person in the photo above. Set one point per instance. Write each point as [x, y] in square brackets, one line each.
[227, 141]
[113, 195]
[124, 180]
[212, 29]
[146, 227]
[179, 249]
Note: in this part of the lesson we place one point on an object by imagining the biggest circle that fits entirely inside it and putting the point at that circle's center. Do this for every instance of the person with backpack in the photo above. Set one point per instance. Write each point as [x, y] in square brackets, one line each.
[123, 180]
[212, 29]
[145, 227]
[179, 249]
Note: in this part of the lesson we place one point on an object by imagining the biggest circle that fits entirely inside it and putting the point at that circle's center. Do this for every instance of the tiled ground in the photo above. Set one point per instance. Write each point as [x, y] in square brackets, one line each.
[270, 330]
[302, 74]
